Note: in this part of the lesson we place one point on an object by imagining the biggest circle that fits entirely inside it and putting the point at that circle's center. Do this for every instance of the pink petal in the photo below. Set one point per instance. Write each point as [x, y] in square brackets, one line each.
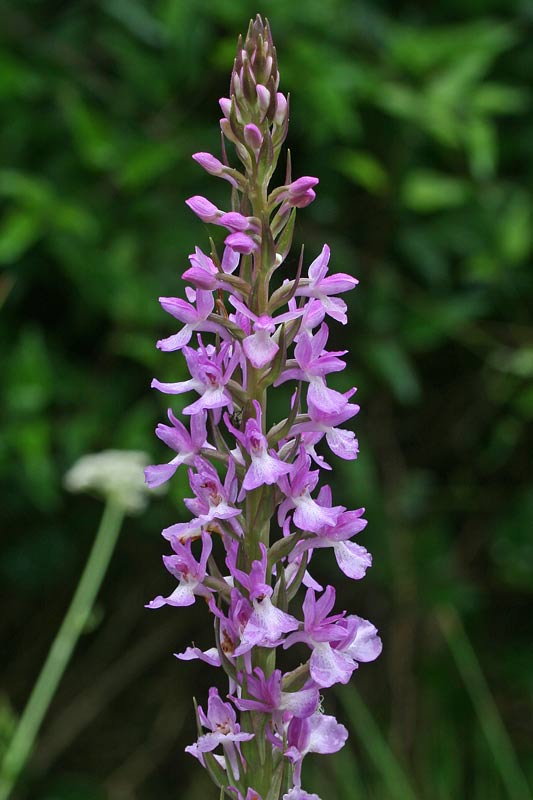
[352, 559]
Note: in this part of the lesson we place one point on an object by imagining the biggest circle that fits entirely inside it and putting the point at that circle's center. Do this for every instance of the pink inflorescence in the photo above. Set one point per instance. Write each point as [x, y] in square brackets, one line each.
[257, 512]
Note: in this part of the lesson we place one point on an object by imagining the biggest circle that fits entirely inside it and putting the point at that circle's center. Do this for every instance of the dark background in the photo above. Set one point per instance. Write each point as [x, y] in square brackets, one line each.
[417, 120]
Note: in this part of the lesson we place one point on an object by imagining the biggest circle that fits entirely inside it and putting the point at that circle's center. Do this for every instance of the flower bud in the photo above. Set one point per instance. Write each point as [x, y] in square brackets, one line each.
[215, 167]
[281, 109]
[248, 83]
[241, 243]
[234, 222]
[207, 211]
[211, 164]
[225, 105]
[253, 137]
[302, 185]
[299, 193]
[263, 99]
[236, 85]
[226, 129]
[244, 156]
[255, 74]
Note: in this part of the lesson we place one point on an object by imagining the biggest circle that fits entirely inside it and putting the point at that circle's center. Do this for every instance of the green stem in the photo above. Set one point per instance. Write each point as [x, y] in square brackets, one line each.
[258, 757]
[61, 650]
[498, 739]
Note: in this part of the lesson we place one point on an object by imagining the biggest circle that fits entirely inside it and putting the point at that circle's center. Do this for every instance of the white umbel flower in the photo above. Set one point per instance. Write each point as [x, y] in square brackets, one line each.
[117, 475]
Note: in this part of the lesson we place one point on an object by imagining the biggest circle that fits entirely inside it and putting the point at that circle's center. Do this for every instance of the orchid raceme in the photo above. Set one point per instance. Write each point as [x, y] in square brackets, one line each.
[258, 512]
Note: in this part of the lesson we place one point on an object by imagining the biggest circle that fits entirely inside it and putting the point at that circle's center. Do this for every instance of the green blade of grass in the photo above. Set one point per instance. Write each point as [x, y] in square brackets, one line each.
[339, 777]
[503, 753]
[378, 750]
[20, 747]
[347, 775]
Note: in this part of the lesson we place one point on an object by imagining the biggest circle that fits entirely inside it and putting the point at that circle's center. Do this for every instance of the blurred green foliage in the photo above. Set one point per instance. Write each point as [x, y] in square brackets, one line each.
[418, 120]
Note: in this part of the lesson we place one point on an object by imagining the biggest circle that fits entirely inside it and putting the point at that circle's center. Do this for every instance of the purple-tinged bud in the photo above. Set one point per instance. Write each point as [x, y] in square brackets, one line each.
[236, 85]
[215, 167]
[202, 273]
[244, 156]
[241, 243]
[226, 129]
[263, 99]
[255, 75]
[305, 199]
[234, 222]
[248, 83]
[253, 137]
[225, 105]
[203, 208]
[281, 109]
[299, 193]
[200, 278]
[302, 185]
[211, 164]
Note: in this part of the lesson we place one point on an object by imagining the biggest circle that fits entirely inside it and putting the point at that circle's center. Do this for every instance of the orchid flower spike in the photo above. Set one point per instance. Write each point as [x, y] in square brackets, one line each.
[259, 510]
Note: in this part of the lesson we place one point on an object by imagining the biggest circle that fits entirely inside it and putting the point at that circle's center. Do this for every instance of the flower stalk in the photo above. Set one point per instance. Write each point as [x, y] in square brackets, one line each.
[60, 653]
[257, 515]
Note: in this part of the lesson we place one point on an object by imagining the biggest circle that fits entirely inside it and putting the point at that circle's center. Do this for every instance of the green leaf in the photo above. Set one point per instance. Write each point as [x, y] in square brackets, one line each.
[363, 169]
[147, 162]
[392, 363]
[423, 49]
[497, 98]
[18, 231]
[515, 228]
[8, 723]
[137, 19]
[482, 145]
[27, 189]
[91, 130]
[428, 191]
